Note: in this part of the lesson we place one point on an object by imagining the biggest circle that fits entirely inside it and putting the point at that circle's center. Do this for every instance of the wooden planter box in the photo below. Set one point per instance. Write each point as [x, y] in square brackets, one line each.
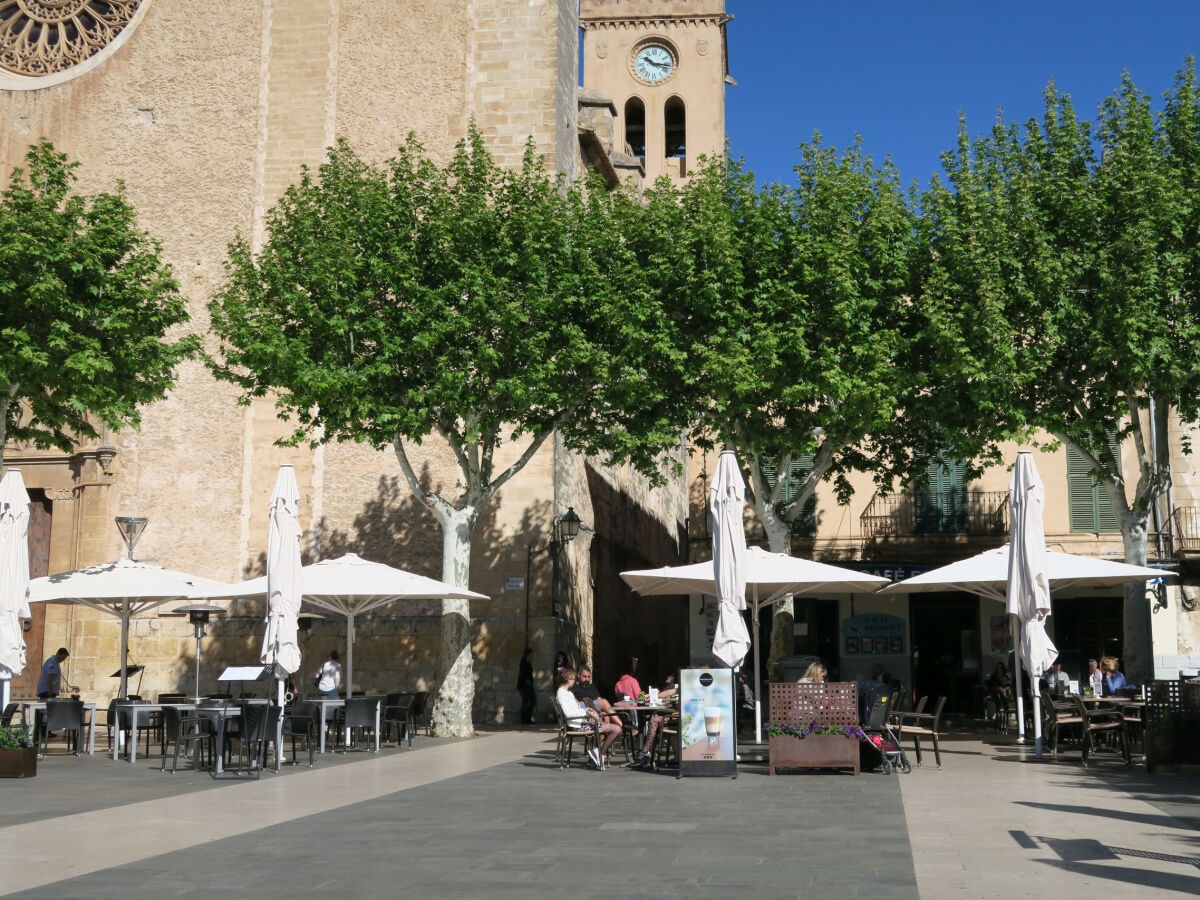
[18, 763]
[817, 751]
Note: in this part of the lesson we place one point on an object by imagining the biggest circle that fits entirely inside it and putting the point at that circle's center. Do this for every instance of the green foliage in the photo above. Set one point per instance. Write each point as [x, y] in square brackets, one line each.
[468, 301]
[86, 304]
[15, 737]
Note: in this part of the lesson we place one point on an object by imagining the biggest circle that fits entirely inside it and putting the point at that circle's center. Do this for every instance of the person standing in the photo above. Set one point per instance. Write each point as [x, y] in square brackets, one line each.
[526, 687]
[329, 676]
[50, 680]
[1094, 678]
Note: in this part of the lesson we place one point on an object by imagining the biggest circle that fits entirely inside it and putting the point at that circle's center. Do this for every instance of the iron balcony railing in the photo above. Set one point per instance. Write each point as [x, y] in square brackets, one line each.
[935, 512]
[1185, 528]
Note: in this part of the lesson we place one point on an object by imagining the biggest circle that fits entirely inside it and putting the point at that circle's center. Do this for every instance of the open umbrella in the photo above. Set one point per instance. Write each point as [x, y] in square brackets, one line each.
[14, 578]
[353, 586]
[727, 503]
[281, 645]
[986, 574]
[1028, 583]
[770, 577]
[125, 589]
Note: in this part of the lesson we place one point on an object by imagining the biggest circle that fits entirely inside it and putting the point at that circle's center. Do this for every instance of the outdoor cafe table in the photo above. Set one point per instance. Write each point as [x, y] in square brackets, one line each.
[30, 708]
[668, 710]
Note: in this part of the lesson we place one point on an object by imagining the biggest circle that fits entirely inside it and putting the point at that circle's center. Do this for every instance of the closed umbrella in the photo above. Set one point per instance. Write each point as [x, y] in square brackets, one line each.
[727, 503]
[1029, 583]
[14, 577]
[281, 645]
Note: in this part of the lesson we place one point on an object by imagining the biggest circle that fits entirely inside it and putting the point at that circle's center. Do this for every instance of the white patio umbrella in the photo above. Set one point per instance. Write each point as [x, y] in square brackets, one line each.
[727, 503]
[124, 589]
[770, 577]
[1028, 585]
[281, 644]
[986, 574]
[14, 578]
[354, 586]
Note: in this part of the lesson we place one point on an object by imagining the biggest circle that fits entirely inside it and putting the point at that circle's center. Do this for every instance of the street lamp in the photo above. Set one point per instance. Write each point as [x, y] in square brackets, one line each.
[198, 614]
[131, 528]
[564, 530]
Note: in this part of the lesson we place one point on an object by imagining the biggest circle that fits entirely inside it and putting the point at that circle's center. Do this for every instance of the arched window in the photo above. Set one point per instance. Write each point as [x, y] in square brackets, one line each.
[675, 119]
[635, 127]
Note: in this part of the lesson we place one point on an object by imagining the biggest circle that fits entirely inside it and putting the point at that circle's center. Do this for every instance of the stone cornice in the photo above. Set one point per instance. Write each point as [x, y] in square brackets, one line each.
[655, 22]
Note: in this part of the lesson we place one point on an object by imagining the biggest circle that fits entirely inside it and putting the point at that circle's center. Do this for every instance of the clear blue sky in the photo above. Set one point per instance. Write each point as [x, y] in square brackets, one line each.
[900, 72]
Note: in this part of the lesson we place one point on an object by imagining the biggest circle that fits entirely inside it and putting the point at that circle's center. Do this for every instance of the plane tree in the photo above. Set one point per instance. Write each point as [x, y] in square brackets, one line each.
[89, 311]
[458, 308]
[1060, 290]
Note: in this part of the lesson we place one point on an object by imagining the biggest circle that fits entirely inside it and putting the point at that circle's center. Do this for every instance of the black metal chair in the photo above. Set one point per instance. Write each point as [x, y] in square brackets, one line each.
[124, 723]
[422, 713]
[358, 718]
[10, 713]
[184, 729]
[1101, 722]
[302, 723]
[62, 715]
[251, 739]
[1057, 715]
[567, 734]
[397, 711]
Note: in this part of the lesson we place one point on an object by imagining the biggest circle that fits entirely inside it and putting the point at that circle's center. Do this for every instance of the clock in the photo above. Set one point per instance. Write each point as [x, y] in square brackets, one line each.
[653, 63]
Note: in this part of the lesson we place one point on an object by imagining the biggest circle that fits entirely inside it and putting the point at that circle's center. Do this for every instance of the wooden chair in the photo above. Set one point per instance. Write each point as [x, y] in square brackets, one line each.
[567, 735]
[919, 725]
[1101, 722]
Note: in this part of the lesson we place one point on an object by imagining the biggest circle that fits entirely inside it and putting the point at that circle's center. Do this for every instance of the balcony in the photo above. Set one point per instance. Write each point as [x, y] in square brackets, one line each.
[953, 514]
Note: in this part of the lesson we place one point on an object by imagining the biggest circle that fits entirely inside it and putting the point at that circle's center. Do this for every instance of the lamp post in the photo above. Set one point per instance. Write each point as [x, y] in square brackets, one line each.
[564, 530]
[198, 614]
[131, 528]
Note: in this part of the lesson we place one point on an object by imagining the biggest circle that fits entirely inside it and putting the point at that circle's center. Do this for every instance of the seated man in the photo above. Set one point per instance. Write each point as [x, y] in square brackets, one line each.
[588, 694]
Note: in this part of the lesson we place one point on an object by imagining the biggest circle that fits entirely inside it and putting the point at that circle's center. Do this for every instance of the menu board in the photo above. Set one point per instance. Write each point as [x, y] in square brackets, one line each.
[707, 723]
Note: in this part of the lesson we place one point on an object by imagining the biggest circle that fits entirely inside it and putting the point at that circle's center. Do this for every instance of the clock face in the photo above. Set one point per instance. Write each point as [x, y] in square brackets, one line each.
[654, 63]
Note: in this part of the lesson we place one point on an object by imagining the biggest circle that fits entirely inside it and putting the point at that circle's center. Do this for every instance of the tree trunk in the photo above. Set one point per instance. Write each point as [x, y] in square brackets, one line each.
[783, 618]
[456, 693]
[1138, 646]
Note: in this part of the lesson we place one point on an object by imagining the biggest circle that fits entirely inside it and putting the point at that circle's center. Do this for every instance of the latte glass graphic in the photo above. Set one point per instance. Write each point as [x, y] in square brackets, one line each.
[712, 723]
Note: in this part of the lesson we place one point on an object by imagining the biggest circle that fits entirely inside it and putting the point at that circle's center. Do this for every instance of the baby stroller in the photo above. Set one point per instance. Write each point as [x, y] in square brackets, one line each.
[882, 740]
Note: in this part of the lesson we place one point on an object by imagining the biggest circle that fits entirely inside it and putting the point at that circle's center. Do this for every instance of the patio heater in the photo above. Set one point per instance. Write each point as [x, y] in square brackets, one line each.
[197, 614]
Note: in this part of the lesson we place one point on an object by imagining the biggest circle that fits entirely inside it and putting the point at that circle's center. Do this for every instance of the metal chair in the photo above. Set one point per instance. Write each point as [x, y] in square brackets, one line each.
[1101, 722]
[1057, 715]
[397, 711]
[183, 729]
[302, 723]
[919, 725]
[567, 735]
[421, 712]
[10, 712]
[358, 718]
[61, 715]
[251, 739]
[124, 724]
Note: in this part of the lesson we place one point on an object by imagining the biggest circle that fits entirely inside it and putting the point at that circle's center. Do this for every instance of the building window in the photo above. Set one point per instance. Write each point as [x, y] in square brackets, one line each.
[1091, 510]
[805, 524]
[675, 117]
[44, 37]
[635, 127]
[940, 507]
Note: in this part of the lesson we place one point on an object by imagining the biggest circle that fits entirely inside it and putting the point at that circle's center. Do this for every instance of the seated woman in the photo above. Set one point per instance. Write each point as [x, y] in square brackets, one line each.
[814, 674]
[1112, 678]
[580, 716]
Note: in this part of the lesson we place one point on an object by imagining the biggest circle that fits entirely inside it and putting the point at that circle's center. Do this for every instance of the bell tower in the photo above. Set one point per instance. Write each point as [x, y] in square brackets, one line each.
[664, 65]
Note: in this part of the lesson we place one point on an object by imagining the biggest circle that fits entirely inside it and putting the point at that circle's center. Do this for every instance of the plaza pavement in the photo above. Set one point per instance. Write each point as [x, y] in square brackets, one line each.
[494, 817]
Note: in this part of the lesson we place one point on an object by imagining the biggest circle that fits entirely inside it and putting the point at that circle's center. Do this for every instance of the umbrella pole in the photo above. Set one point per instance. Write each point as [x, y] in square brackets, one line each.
[124, 688]
[349, 666]
[757, 676]
[1017, 678]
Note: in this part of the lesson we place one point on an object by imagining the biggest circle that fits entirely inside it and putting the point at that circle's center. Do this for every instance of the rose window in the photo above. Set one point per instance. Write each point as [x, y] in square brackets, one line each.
[42, 37]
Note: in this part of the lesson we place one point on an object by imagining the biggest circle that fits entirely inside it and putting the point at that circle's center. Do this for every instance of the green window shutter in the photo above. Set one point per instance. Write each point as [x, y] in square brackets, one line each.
[1088, 504]
[941, 506]
[805, 524]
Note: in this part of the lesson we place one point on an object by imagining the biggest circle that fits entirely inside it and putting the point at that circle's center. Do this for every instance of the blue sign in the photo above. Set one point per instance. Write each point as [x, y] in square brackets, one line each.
[874, 634]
